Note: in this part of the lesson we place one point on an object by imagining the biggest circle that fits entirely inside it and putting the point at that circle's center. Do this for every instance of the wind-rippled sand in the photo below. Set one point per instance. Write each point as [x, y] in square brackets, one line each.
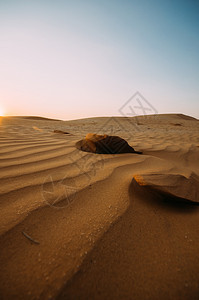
[78, 225]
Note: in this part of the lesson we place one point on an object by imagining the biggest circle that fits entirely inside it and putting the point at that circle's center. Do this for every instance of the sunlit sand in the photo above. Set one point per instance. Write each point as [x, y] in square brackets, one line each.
[83, 225]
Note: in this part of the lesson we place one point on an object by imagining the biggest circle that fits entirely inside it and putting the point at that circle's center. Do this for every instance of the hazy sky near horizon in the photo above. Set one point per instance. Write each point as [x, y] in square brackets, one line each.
[73, 59]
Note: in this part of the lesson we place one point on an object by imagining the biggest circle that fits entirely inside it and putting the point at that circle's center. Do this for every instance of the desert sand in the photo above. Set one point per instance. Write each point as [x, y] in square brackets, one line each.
[81, 225]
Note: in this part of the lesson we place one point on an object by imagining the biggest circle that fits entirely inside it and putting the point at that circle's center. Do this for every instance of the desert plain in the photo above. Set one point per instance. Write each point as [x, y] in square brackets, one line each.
[81, 225]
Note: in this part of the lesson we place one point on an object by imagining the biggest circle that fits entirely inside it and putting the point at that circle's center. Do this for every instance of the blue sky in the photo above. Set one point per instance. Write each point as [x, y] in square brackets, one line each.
[74, 59]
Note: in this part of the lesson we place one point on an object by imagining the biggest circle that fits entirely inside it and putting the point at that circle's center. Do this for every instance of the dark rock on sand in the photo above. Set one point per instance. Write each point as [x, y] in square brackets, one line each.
[104, 144]
[60, 131]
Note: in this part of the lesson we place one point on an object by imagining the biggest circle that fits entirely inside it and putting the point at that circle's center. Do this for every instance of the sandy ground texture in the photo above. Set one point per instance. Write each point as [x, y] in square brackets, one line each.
[79, 225]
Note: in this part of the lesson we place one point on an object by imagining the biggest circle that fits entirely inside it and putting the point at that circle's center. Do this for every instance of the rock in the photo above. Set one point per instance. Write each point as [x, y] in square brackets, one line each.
[104, 144]
[186, 189]
[60, 131]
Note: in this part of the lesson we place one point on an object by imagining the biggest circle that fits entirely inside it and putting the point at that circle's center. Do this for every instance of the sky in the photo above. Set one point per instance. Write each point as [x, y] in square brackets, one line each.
[77, 59]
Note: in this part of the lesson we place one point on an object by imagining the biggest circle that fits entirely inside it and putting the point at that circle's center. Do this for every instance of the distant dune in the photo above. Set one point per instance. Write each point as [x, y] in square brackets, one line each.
[162, 116]
[35, 118]
[82, 225]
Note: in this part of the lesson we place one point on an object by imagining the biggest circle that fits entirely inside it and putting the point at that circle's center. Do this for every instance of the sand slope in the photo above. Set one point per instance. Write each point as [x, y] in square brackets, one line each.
[78, 225]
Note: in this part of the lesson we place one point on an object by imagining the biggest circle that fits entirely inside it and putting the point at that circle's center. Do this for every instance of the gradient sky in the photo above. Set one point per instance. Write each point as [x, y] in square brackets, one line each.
[73, 59]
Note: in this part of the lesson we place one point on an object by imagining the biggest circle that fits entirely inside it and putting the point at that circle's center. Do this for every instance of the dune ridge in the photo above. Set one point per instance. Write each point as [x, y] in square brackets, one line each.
[124, 225]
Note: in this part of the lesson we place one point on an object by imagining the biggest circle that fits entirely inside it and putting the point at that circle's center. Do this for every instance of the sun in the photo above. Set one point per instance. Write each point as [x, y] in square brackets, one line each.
[1, 112]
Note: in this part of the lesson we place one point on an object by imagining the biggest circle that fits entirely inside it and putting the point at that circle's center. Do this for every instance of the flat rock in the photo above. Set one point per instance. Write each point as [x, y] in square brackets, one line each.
[60, 131]
[174, 184]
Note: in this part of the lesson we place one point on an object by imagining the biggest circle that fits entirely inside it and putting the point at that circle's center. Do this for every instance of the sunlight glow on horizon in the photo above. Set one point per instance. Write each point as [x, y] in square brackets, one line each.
[2, 111]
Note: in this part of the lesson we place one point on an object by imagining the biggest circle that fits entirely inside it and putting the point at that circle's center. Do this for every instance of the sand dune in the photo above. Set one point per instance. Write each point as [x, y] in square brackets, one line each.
[80, 225]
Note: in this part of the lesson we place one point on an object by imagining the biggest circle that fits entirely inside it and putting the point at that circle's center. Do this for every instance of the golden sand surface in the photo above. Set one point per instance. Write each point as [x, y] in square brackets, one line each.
[80, 225]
